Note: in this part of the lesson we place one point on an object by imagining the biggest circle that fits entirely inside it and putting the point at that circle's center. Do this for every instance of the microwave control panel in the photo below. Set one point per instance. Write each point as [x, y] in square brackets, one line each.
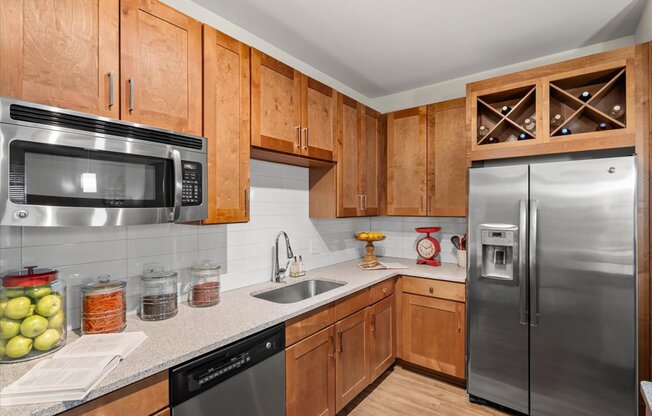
[192, 183]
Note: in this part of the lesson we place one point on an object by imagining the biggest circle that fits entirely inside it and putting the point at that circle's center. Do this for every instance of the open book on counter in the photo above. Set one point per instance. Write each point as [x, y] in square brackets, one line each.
[72, 372]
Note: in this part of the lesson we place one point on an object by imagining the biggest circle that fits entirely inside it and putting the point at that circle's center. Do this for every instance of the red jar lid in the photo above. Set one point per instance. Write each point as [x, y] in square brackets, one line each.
[31, 276]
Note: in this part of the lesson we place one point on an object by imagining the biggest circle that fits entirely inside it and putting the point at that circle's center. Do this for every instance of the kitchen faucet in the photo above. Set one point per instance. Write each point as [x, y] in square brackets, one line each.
[278, 273]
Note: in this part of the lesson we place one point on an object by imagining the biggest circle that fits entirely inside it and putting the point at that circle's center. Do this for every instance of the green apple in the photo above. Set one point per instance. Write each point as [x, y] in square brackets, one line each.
[3, 307]
[38, 292]
[12, 293]
[18, 346]
[33, 326]
[46, 340]
[48, 305]
[56, 321]
[18, 308]
[9, 328]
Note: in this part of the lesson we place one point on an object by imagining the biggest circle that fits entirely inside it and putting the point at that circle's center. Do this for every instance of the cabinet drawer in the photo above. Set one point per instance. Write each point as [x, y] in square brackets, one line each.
[381, 291]
[300, 327]
[351, 304]
[434, 288]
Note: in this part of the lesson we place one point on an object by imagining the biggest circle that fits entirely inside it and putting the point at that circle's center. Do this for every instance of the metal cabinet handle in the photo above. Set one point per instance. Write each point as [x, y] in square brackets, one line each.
[365, 201]
[298, 136]
[330, 350]
[373, 322]
[341, 349]
[534, 284]
[522, 261]
[305, 134]
[384, 291]
[111, 95]
[246, 192]
[131, 95]
[431, 290]
[459, 320]
[360, 203]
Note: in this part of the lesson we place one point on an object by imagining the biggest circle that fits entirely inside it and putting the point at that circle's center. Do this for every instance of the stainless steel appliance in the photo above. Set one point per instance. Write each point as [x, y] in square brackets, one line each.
[246, 378]
[64, 168]
[552, 287]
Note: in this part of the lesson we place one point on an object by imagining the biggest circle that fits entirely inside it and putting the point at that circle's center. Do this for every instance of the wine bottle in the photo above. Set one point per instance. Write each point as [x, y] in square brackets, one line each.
[492, 140]
[530, 124]
[523, 136]
[504, 110]
[565, 131]
[617, 111]
[585, 96]
[556, 120]
[482, 131]
[603, 126]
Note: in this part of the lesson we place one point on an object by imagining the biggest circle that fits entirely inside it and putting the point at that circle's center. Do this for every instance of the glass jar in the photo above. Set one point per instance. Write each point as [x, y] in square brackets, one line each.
[32, 314]
[158, 295]
[205, 284]
[104, 306]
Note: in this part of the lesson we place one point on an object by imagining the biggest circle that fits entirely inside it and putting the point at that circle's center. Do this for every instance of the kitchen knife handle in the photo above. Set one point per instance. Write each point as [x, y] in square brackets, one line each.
[522, 261]
[534, 284]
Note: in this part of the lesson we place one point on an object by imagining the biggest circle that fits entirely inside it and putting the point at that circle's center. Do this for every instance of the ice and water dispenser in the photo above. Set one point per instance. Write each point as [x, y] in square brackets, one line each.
[499, 251]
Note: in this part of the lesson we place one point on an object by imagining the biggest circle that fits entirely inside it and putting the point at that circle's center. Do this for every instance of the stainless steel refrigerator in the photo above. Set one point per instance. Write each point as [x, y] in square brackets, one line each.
[552, 287]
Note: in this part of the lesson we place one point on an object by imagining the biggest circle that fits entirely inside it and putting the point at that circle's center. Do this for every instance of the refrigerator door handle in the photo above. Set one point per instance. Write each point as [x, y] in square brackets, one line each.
[522, 261]
[534, 284]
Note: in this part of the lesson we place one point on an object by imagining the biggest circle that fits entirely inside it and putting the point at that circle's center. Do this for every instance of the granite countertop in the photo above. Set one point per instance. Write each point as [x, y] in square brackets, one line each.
[646, 389]
[196, 331]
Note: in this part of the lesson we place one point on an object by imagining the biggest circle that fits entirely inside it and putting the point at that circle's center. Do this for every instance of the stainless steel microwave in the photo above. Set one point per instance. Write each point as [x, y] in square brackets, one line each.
[64, 168]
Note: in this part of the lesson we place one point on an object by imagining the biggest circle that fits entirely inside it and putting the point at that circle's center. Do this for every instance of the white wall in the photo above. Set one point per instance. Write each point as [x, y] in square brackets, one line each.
[644, 29]
[279, 201]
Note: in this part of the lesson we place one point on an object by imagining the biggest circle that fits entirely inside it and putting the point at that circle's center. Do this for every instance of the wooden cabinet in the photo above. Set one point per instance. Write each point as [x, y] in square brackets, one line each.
[160, 66]
[226, 126]
[447, 173]
[350, 159]
[352, 353]
[310, 375]
[64, 54]
[382, 336]
[406, 162]
[318, 119]
[371, 162]
[432, 330]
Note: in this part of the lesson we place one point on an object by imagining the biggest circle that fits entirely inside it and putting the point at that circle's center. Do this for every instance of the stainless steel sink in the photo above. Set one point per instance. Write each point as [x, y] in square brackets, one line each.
[299, 291]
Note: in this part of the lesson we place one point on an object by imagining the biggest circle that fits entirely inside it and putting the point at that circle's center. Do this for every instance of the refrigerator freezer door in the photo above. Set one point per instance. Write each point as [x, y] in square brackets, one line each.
[497, 318]
[583, 288]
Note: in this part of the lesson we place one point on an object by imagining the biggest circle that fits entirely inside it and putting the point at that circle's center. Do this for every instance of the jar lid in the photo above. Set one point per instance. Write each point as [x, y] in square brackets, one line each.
[30, 276]
[206, 265]
[104, 285]
[158, 274]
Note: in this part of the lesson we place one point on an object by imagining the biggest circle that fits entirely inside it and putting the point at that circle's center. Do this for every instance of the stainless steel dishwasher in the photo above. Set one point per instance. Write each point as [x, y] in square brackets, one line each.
[246, 378]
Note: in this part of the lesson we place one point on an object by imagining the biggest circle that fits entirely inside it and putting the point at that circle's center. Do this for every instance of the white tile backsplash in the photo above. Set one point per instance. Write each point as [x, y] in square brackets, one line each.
[279, 201]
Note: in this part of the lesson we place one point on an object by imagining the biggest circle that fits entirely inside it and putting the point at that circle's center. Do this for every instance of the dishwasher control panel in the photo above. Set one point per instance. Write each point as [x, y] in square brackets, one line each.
[197, 375]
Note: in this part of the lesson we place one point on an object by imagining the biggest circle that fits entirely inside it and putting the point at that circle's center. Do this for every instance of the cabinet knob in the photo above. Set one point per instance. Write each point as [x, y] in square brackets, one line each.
[384, 291]
[431, 289]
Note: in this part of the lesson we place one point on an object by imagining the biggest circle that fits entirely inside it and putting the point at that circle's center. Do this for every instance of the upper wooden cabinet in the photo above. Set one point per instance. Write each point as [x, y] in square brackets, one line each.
[582, 104]
[160, 66]
[226, 126]
[371, 165]
[447, 173]
[64, 54]
[290, 112]
[406, 162]
[350, 159]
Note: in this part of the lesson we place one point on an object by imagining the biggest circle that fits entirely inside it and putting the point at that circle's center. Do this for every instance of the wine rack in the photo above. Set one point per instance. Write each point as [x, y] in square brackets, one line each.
[502, 116]
[606, 92]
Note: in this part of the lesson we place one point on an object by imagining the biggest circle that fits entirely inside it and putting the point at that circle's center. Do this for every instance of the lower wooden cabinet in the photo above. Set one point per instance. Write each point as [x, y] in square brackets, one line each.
[352, 352]
[433, 333]
[310, 375]
[382, 338]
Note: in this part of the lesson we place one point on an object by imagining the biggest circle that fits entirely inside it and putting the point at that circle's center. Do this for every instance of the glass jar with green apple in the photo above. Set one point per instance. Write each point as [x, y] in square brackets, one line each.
[32, 314]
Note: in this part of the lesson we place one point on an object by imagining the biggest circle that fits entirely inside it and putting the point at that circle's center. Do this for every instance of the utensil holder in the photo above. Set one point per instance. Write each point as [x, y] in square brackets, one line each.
[461, 258]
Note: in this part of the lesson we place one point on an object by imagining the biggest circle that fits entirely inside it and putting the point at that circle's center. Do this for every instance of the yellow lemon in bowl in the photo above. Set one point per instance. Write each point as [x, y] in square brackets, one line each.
[363, 236]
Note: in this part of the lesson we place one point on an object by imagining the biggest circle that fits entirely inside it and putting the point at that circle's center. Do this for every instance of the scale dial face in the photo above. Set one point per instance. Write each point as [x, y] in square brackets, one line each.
[426, 248]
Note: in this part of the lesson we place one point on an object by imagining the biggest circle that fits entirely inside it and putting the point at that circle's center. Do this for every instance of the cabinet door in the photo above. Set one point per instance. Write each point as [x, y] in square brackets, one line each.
[351, 357]
[371, 167]
[226, 126]
[310, 376]
[275, 104]
[349, 197]
[382, 327]
[433, 334]
[447, 158]
[318, 119]
[406, 162]
[161, 66]
[63, 54]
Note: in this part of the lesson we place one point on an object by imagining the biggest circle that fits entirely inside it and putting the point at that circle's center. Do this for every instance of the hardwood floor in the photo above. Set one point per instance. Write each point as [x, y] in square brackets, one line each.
[400, 391]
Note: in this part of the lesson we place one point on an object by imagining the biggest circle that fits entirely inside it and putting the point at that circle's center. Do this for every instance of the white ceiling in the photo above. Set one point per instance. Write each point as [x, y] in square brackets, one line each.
[381, 47]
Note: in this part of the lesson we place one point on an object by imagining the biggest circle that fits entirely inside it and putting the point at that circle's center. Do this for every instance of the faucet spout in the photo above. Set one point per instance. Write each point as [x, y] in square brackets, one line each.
[278, 273]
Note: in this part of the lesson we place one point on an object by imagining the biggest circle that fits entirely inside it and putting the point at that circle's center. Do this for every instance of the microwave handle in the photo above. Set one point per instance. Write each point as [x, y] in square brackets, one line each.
[178, 184]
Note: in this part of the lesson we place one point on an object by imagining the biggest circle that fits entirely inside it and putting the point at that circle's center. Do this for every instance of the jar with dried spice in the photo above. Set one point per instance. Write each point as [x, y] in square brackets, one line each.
[158, 295]
[104, 306]
[205, 285]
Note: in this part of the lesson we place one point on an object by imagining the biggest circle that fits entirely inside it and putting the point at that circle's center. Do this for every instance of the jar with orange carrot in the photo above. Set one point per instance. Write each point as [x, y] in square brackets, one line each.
[104, 306]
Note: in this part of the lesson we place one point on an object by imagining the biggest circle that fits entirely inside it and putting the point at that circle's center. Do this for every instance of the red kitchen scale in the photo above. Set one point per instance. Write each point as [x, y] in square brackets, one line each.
[428, 247]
